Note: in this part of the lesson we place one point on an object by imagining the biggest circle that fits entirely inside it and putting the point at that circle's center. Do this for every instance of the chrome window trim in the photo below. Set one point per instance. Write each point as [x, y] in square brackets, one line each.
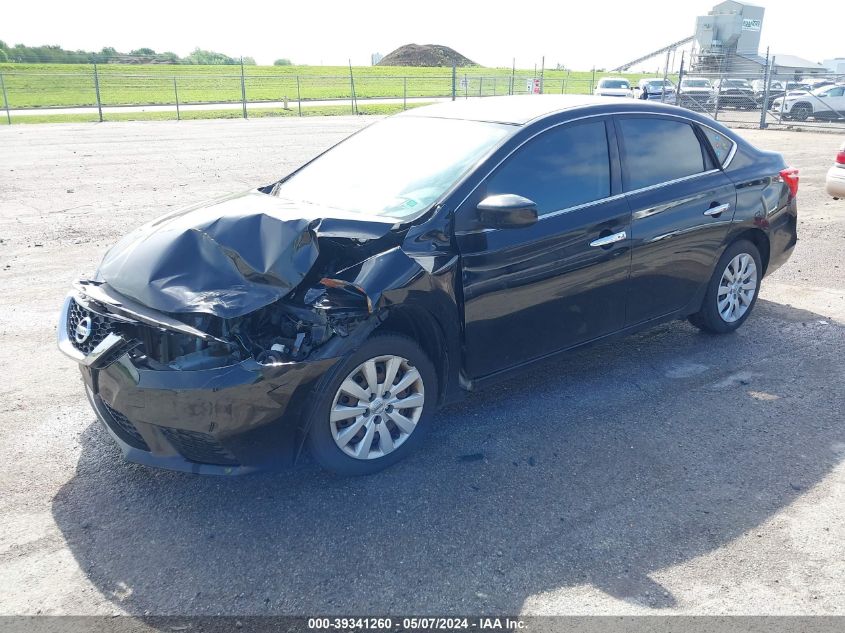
[660, 185]
[578, 207]
[609, 198]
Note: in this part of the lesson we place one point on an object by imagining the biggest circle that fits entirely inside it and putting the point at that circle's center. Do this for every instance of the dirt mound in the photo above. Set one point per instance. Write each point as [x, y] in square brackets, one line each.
[425, 55]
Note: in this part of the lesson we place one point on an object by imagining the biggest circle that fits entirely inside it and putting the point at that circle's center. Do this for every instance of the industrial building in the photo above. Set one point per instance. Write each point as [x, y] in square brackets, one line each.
[727, 40]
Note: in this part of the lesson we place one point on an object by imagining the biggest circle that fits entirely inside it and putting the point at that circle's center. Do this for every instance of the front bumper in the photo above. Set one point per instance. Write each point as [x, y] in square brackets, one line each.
[835, 182]
[694, 101]
[670, 97]
[226, 420]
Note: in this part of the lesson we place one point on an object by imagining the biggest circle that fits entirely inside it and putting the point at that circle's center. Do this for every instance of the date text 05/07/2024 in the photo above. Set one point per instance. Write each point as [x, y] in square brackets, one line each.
[416, 623]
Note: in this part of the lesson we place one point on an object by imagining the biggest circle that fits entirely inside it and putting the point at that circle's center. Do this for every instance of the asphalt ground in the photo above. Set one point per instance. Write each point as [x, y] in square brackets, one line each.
[669, 472]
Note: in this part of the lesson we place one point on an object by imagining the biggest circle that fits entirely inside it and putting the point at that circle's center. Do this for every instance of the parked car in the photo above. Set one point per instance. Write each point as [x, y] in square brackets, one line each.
[337, 308]
[732, 93]
[835, 181]
[815, 84]
[776, 89]
[613, 87]
[694, 92]
[827, 102]
[661, 90]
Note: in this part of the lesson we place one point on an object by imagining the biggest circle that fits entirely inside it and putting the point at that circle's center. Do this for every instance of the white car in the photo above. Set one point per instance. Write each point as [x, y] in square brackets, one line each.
[827, 102]
[614, 87]
[835, 182]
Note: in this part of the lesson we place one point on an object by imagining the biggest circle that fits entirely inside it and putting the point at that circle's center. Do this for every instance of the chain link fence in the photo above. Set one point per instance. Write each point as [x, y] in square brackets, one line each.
[761, 98]
[766, 98]
[104, 93]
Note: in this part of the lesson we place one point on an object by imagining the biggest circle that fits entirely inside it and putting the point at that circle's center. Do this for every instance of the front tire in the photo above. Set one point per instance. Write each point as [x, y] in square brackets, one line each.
[801, 112]
[732, 290]
[374, 407]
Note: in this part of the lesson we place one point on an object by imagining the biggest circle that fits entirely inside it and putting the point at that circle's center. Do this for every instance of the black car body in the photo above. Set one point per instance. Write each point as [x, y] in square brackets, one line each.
[694, 93]
[732, 93]
[208, 335]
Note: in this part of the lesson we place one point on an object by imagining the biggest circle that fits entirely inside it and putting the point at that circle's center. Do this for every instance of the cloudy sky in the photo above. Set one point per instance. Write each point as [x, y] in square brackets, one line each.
[603, 33]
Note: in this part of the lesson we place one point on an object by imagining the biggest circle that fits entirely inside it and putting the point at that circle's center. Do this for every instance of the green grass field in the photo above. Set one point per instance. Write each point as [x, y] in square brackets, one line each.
[69, 85]
[256, 113]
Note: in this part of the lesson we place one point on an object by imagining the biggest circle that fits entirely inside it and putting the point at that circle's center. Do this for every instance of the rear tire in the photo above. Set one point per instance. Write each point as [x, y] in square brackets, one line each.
[357, 425]
[732, 290]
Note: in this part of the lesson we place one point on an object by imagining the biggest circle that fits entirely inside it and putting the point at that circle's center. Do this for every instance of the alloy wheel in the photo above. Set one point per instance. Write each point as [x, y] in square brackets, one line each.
[801, 112]
[377, 407]
[736, 288]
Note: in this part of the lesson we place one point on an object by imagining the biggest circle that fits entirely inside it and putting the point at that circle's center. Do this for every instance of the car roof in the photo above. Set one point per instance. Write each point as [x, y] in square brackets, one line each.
[523, 109]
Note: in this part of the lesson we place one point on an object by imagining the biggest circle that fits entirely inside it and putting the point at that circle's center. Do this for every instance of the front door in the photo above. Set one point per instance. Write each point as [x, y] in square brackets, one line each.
[529, 292]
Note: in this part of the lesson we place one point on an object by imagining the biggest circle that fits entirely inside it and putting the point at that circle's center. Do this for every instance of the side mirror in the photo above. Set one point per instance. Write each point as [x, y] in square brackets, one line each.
[507, 211]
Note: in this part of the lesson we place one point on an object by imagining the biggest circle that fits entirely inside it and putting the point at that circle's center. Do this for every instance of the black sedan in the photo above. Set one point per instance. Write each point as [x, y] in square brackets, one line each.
[426, 256]
[732, 93]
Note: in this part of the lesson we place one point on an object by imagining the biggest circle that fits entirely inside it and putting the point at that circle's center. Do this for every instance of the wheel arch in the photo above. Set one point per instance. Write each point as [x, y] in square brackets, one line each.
[757, 237]
[423, 327]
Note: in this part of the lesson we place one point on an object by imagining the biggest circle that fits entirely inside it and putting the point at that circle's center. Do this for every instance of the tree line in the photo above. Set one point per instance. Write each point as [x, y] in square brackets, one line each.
[21, 53]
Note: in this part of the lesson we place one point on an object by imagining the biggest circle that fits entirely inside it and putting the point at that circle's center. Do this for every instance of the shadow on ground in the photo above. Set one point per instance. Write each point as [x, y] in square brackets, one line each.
[599, 468]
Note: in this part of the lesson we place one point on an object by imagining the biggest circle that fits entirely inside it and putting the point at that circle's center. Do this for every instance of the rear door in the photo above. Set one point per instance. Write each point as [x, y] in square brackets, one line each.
[682, 205]
[529, 292]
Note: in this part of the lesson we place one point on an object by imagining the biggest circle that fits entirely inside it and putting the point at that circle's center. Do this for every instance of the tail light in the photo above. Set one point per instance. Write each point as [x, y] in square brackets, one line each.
[840, 157]
[790, 177]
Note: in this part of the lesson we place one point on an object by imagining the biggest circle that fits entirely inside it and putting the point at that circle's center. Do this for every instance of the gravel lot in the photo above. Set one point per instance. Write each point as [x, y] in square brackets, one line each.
[668, 472]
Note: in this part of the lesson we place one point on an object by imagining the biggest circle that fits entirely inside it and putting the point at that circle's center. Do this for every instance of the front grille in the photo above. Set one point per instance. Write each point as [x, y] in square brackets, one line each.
[199, 447]
[124, 429]
[101, 327]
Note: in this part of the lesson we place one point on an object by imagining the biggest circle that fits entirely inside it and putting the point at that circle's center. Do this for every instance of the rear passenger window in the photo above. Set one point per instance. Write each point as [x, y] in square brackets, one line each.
[720, 143]
[564, 167]
[659, 150]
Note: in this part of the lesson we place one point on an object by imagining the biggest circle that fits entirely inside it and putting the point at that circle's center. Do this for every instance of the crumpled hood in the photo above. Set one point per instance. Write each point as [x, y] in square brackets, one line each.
[228, 258]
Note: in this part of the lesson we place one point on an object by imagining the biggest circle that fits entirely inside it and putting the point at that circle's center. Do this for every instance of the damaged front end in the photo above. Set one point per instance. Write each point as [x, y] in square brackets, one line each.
[202, 333]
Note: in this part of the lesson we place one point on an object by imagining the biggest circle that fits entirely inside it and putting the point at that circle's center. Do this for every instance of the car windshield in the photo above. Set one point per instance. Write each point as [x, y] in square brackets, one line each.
[613, 83]
[658, 84]
[696, 83]
[395, 168]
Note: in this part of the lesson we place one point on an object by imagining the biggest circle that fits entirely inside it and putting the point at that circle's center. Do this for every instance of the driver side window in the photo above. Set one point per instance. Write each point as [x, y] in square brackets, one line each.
[561, 168]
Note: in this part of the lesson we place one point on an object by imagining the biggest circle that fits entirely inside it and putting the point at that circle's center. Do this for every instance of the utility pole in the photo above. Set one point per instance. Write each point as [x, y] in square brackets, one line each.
[243, 87]
[767, 81]
[513, 74]
[5, 99]
[97, 90]
[176, 93]
[542, 70]
[352, 87]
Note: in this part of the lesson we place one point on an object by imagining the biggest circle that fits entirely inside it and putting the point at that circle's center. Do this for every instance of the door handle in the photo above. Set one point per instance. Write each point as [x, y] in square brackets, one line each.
[716, 211]
[607, 240]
